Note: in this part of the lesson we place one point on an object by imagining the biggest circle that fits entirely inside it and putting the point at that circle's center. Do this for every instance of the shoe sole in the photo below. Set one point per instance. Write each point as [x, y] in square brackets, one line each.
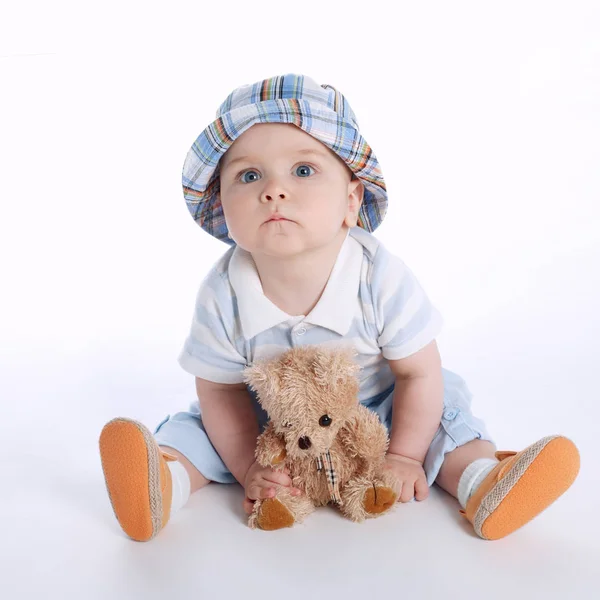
[546, 467]
[131, 465]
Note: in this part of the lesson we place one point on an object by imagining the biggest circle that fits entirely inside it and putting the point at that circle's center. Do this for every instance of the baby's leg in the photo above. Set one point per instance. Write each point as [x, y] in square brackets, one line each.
[149, 477]
[499, 491]
[197, 480]
[458, 460]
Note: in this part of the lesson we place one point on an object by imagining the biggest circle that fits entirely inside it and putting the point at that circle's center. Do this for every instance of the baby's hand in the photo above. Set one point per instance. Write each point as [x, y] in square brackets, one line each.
[411, 477]
[261, 482]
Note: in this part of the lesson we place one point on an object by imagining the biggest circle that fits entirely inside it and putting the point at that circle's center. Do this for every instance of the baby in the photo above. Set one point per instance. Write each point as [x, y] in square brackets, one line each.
[285, 178]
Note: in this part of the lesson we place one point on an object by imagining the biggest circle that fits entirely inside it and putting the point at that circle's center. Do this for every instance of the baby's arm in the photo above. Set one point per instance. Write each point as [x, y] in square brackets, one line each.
[231, 424]
[418, 402]
[230, 421]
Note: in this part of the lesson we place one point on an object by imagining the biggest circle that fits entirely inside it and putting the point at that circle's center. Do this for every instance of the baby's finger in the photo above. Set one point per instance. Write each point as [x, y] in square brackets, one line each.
[267, 492]
[248, 505]
[278, 477]
[399, 487]
[408, 491]
[421, 489]
[258, 492]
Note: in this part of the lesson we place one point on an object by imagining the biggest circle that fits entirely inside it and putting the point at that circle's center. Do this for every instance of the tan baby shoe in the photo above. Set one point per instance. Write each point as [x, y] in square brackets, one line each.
[521, 486]
[137, 478]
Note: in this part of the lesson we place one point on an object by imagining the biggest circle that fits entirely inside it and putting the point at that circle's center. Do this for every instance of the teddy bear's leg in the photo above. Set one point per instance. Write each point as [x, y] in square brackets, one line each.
[382, 494]
[364, 498]
[281, 511]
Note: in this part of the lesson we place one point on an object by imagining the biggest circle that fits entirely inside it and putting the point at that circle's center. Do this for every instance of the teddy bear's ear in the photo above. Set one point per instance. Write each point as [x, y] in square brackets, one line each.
[263, 378]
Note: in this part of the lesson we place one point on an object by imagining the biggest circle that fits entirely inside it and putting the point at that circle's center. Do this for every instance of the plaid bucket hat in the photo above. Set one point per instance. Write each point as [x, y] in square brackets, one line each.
[319, 110]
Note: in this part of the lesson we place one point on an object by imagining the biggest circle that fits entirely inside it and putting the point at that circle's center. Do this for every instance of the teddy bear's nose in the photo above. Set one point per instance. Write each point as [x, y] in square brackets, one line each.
[304, 443]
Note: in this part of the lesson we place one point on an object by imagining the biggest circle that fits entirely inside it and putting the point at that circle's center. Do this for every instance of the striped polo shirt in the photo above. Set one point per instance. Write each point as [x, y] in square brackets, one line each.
[372, 301]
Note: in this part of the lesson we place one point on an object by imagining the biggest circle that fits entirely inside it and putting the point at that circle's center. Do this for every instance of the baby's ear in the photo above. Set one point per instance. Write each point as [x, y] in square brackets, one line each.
[263, 378]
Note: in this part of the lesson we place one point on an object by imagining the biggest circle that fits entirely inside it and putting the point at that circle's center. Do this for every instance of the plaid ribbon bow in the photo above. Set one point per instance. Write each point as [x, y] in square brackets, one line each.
[332, 482]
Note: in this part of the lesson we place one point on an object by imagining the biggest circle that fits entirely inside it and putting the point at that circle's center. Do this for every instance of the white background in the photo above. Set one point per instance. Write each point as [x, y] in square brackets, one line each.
[485, 119]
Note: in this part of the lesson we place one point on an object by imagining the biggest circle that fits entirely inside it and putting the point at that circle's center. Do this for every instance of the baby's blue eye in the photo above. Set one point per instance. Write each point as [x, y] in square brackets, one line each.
[304, 167]
[244, 180]
[244, 177]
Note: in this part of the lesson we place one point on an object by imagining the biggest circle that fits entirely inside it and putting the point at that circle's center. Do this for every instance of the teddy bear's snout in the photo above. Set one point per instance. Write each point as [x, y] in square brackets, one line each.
[304, 443]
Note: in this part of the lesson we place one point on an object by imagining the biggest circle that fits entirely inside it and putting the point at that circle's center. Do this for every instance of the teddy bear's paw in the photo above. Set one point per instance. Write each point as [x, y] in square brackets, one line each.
[378, 499]
[273, 515]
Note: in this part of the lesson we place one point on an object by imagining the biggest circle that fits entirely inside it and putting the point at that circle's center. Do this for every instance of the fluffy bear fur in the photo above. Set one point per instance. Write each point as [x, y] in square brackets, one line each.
[298, 389]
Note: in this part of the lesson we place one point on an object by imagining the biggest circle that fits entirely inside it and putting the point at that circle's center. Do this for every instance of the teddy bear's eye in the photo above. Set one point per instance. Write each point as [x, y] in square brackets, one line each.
[287, 424]
[325, 421]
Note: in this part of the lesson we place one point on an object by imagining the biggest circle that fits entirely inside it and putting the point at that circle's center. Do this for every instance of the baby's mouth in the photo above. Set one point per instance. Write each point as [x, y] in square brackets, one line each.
[276, 218]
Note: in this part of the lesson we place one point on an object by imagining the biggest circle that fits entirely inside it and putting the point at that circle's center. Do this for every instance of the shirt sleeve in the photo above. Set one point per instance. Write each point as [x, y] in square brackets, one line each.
[406, 319]
[210, 351]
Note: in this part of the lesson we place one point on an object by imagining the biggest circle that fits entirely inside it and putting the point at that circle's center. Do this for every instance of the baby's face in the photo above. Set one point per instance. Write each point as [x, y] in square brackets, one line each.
[312, 190]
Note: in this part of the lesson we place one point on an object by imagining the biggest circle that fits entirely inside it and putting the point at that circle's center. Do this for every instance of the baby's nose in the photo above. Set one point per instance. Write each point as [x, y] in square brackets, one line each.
[304, 443]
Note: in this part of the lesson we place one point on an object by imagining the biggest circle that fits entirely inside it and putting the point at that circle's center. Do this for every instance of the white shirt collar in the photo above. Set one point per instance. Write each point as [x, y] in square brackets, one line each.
[334, 310]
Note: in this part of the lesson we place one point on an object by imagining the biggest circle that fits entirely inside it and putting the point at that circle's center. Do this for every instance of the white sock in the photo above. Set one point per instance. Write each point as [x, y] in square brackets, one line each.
[472, 477]
[181, 485]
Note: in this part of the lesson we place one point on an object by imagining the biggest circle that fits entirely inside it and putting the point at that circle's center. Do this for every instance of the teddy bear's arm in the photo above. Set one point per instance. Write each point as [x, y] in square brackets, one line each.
[270, 448]
[365, 436]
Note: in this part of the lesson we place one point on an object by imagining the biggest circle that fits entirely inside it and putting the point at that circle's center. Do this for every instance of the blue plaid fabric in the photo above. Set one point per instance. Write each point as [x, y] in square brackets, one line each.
[319, 110]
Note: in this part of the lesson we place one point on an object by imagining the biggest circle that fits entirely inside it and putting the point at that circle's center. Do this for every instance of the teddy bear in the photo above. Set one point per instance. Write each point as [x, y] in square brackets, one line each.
[332, 446]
